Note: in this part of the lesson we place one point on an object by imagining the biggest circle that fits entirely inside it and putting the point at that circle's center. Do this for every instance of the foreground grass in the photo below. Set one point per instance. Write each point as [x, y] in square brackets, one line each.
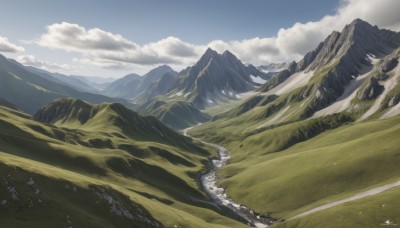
[372, 211]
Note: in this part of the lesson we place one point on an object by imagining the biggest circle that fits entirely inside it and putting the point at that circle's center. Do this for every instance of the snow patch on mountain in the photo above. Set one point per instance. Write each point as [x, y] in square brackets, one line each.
[293, 82]
[388, 85]
[257, 79]
[344, 101]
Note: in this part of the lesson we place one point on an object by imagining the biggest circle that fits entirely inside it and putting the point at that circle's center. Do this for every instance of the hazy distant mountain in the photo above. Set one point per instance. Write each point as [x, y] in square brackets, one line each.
[73, 82]
[7, 104]
[29, 91]
[99, 83]
[133, 85]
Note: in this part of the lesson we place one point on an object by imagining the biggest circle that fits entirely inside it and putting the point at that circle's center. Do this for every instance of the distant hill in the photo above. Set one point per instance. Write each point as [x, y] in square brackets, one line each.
[29, 91]
[179, 114]
[73, 82]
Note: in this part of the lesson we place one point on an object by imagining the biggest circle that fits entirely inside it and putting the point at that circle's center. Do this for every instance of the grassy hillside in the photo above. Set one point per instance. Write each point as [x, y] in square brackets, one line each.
[373, 211]
[277, 172]
[101, 177]
[179, 114]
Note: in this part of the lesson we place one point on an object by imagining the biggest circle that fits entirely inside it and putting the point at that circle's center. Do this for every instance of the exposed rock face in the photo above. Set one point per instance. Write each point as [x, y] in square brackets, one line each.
[215, 76]
[310, 56]
[389, 65]
[347, 51]
[356, 41]
[372, 91]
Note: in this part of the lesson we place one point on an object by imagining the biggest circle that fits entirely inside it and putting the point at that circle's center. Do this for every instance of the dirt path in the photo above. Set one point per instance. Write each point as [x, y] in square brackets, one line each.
[370, 192]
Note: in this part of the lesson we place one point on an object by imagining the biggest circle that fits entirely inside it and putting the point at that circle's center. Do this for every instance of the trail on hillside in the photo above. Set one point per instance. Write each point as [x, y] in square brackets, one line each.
[361, 195]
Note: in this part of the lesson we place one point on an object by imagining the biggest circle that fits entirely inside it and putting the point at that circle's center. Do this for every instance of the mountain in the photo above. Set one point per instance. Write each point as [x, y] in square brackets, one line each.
[133, 85]
[7, 104]
[161, 86]
[98, 83]
[63, 79]
[101, 166]
[320, 131]
[216, 76]
[336, 65]
[29, 91]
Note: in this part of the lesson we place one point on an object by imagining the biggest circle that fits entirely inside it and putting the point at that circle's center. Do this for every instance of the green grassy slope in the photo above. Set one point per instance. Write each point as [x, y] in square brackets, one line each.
[276, 172]
[372, 211]
[179, 114]
[160, 179]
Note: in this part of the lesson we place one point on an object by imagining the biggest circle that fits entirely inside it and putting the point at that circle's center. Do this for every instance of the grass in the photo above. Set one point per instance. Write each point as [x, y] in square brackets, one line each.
[160, 175]
[372, 211]
[288, 169]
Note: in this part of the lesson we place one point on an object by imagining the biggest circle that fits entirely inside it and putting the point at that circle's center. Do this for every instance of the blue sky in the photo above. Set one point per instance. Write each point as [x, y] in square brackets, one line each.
[147, 33]
[144, 21]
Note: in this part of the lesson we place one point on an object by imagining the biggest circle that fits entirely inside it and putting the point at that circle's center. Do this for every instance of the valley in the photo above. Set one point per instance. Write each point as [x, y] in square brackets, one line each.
[216, 141]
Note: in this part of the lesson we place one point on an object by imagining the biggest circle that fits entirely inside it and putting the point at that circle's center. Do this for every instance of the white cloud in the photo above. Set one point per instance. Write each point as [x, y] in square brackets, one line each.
[294, 42]
[30, 60]
[107, 50]
[7, 46]
[103, 47]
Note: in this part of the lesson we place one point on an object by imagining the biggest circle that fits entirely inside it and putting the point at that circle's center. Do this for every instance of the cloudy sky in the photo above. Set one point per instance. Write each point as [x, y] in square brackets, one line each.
[113, 38]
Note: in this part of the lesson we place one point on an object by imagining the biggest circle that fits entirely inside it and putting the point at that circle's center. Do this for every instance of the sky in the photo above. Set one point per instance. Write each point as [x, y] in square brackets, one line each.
[114, 38]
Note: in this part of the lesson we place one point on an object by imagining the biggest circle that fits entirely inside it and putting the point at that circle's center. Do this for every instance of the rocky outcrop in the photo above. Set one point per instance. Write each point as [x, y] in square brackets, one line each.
[389, 65]
[371, 91]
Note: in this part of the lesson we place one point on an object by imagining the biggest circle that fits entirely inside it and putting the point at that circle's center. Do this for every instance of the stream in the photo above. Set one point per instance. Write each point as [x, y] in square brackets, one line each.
[218, 194]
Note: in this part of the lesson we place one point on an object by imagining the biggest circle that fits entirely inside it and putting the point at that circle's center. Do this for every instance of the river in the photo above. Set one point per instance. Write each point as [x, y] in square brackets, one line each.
[218, 194]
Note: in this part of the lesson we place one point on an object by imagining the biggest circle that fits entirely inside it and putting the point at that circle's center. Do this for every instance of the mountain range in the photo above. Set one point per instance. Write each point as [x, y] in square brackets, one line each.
[308, 142]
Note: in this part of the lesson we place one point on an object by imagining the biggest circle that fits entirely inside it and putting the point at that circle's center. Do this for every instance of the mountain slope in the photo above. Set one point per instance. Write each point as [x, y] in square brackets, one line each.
[63, 79]
[134, 85]
[179, 115]
[161, 86]
[79, 175]
[19, 84]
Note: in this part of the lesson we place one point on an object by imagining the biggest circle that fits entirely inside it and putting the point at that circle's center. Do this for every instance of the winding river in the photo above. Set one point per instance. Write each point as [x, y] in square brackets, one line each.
[218, 194]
